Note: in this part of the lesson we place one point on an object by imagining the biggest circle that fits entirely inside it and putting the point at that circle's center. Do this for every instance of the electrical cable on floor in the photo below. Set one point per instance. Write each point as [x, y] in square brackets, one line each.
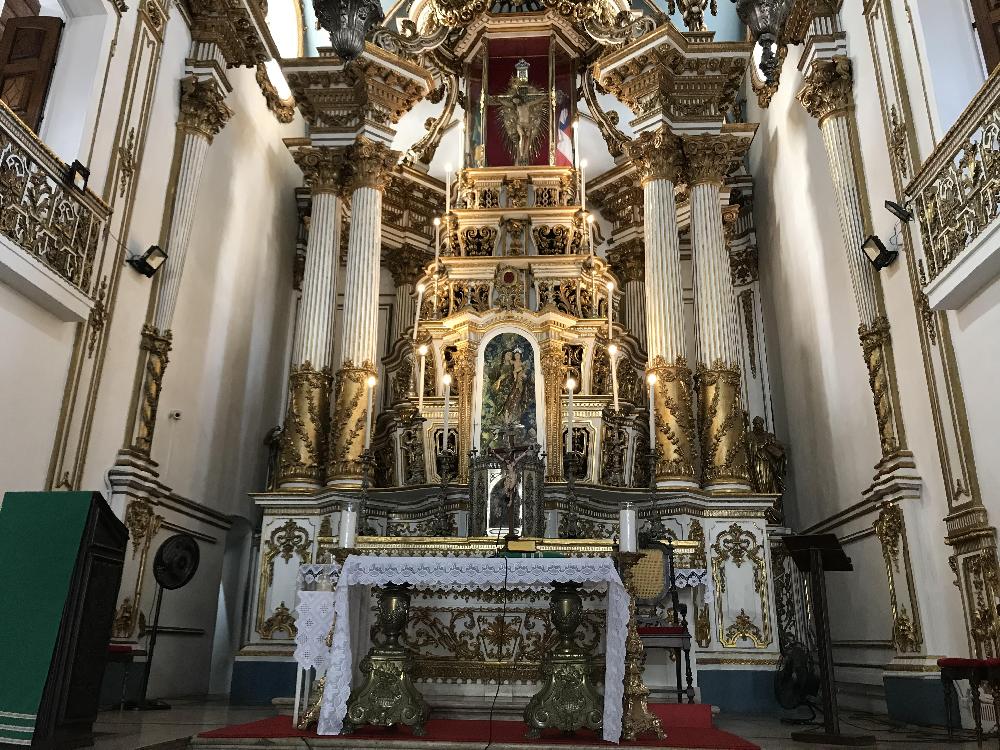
[909, 734]
[503, 619]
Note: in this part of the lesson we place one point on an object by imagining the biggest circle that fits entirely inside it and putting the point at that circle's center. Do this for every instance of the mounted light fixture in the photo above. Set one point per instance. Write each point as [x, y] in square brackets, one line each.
[766, 21]
[77, 175]
[876, 252]
[348, 22]
[149, 262]
[902, 213]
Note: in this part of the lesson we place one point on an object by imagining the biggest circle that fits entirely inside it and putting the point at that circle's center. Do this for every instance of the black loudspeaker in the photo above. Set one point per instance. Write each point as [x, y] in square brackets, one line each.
[174, 566]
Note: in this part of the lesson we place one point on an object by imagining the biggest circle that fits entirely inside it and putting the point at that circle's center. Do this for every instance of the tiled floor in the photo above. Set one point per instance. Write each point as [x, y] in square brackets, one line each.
[167, 730]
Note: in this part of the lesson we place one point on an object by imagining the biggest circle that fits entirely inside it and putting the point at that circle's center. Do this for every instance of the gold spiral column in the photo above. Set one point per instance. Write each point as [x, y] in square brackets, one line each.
[304, 440]
[718, 381]
[828, 96]
[658, 158]
[369, 165]
[203, 114]
[553, 361]
[465, 381]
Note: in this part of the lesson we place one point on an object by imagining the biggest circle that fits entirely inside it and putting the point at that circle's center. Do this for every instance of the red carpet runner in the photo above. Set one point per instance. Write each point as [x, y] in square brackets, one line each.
[687, 726]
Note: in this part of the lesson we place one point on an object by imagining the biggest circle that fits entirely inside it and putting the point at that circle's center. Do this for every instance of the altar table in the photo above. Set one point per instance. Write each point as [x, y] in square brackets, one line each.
[360, 572]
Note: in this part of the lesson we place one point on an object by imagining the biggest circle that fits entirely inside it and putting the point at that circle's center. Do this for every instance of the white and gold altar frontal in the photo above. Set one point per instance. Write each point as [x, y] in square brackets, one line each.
[597, 296]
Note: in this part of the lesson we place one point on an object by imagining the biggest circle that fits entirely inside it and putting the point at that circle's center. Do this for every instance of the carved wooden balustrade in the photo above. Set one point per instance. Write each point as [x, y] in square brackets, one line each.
[956, 193]
[50, 220]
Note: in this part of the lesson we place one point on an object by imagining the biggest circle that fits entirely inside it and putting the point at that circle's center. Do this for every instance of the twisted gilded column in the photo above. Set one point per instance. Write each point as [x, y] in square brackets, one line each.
[658, 158]
[553, 362]
[827, 96]
[717, 336]
[368, 167]
[203, 114]
[628, 263]
[406, 266]
[302, 458]
[465, 381]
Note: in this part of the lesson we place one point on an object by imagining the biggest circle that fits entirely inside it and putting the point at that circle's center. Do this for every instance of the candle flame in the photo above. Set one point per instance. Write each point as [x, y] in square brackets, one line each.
[372, 381]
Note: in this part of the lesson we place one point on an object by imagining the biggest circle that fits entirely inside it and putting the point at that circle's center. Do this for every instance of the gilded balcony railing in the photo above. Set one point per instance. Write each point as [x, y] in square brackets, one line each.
[50, 220]
[956, 193]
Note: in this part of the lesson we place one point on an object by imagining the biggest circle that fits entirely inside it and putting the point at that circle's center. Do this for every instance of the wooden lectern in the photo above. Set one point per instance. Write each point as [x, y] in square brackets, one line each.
[815, 554]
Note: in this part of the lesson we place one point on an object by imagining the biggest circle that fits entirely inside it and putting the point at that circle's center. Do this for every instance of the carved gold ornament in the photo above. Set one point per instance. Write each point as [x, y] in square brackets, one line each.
[828, 88]
[303, 442]
[890, 528]
[370, 164]
[286, 541]
[282, 109]
[722, 423]
[875, 339]
[709, 158]
[322, 168]
[676, 442]
[347, 433]
[738, 547]
[657, 156]
[142, 523]
[156, 348]
[202, 107]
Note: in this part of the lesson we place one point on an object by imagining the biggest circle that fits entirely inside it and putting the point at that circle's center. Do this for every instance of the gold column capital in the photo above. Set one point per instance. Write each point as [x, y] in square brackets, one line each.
[322, 167]
[828, 88]
[370, 164]
[203, 109]
[628, 260]
[657, 156]
[406, 264]
[710, 157]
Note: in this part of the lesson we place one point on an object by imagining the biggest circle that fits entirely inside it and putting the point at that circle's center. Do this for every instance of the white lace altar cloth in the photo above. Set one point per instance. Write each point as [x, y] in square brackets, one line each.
[314, 614]
[360, 572]
[694, 577]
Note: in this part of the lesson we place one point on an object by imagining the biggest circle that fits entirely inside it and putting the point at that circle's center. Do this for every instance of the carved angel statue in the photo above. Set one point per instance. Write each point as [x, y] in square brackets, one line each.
[693, 12]
[522, 114]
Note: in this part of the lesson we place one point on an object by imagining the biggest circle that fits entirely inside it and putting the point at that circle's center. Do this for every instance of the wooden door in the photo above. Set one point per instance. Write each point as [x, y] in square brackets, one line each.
[987, 15]
[27, 57]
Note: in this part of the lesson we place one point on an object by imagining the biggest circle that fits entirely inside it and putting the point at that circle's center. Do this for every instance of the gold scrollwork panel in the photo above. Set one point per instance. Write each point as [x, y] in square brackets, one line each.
[142, 523]
[287, 540]
[723, 451]
[302, 457]
[739, 573]
[890, 528]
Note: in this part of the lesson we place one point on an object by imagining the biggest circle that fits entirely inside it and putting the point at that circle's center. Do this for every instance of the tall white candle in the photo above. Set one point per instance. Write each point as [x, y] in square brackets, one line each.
[576, 142]
[348, 525]
[372, 380]
[422, 351]
[420, 302]
[651, 379]
[613, 356]
[583, 184]
[437, 241]
[447, 405]
[628, 534]
[461, 147]
[447, 189]
[611, 310]
[570, 386]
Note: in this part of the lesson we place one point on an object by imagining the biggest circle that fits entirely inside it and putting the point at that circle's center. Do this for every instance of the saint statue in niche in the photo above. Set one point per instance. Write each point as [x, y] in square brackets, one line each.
[508, 388]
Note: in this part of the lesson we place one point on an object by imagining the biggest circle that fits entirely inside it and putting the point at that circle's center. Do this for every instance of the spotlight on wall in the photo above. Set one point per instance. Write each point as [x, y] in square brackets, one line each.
[149, 262]
[77, 175]
[902, 213]
[876, 252]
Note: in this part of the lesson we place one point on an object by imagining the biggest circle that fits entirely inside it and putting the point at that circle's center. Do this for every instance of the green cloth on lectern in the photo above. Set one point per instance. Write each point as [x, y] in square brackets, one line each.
[40, 534]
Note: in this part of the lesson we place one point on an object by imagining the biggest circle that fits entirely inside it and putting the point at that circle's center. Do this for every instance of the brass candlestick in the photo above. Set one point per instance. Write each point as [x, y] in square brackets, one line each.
[637, 719]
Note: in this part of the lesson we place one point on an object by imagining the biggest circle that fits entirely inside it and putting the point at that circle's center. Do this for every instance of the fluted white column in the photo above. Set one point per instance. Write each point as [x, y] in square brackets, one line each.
[369, 164]
[314, 333]
[202, 115]
[664, 286]
[828, 96]
[658, 158]
[717, 336]
[359, 334]
[303, 448]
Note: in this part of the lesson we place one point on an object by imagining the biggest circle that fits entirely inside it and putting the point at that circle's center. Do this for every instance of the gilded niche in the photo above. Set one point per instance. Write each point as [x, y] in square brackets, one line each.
[508, 388]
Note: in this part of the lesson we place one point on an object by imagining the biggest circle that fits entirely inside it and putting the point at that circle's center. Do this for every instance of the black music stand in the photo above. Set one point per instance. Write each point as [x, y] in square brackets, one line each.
[815, 554]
